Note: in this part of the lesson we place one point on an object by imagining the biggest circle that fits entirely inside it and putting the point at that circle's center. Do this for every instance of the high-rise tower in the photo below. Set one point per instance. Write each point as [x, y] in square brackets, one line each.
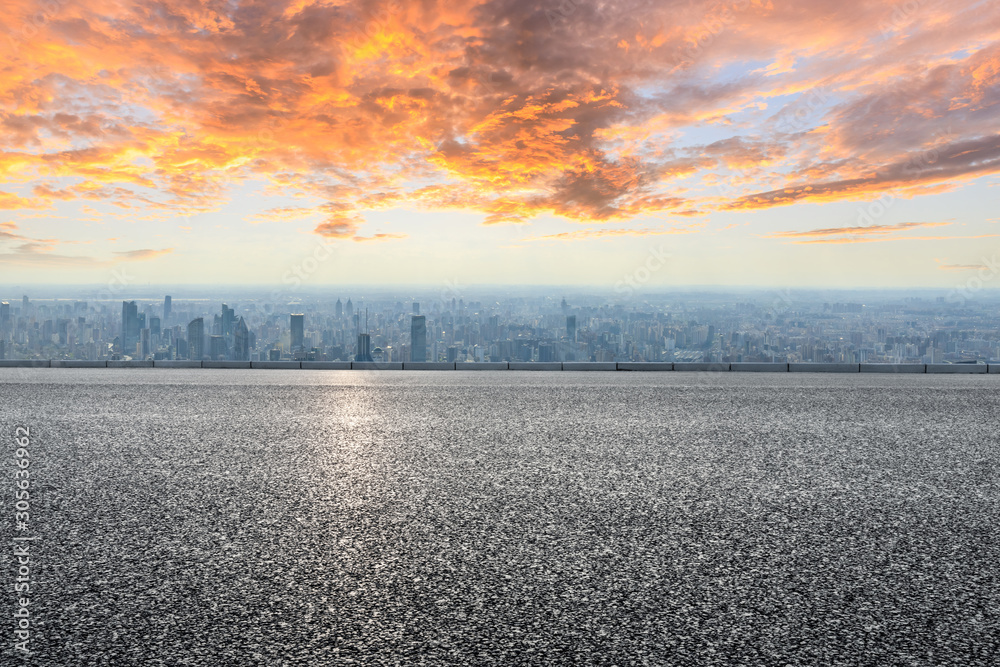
[196, 339]
[297, 326]
[418, 338]
[130, 326]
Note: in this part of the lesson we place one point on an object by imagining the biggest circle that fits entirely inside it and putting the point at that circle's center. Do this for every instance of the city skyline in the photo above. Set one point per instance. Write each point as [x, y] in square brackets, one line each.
[744, 142]
[789, 327]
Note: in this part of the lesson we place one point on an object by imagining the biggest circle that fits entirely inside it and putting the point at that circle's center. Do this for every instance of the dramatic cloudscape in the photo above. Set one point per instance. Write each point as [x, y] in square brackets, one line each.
[830, 142]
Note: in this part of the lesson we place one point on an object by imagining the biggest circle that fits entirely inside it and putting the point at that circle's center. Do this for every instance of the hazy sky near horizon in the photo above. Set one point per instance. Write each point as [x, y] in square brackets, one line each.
[753, 142]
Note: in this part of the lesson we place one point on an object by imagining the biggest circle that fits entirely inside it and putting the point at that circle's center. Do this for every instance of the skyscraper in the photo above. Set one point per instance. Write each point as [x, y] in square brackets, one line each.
[297, 326]
[571, 327]
[349, 310]
[241, 341]
[416, 307]
[196, 339]
[4, 317]
[418, 338]
[166, 309]
[364, 348]
[228, 321]
[217, 348]
[340, 309]
[130, 327]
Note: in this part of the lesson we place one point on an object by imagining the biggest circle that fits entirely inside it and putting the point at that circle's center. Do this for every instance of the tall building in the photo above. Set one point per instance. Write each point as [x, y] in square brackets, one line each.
[130, 326]
[297, 326]
[416, 307]
[167, 307]
[241, 341]
[228, 321]
[154, 326]
[24, 305]
[418, 338]
[340, 309]
[349, 311]
[571, 327]
[364, 348]
[196, 339]
[4, 318]
[217, 348]
[144, 346]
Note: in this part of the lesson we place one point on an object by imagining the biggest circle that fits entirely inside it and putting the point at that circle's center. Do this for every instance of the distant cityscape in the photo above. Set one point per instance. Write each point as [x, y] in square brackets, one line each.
[714, 326]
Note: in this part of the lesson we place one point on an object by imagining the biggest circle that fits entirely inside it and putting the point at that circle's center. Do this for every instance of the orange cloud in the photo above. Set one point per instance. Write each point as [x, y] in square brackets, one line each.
[960, 267]
[867, 234]
[145, 253]
[11, 201]
[378, 237]
[897, 238]
[856, 231]
[584, 234]
[167, 108]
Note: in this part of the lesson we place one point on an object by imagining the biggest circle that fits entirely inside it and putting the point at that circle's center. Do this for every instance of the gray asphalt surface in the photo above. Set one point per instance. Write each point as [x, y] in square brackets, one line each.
[324, 518]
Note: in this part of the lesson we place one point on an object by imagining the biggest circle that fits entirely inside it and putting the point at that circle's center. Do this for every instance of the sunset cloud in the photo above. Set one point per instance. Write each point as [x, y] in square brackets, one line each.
[584, 234]
[870, 230]
[591, 112]
[960, 267]
[145, 253]
[868, 234]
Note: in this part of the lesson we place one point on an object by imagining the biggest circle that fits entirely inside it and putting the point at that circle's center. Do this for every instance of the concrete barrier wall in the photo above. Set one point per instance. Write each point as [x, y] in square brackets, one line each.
[700, 366]
[824, 368]
[956, 368]
[78, 363]
[754, 367]
[275, 364]
[481, 366]
[225, 364]
[327, 365]
[893, 368]
[759, 367]
[589, 366]
[645, 365]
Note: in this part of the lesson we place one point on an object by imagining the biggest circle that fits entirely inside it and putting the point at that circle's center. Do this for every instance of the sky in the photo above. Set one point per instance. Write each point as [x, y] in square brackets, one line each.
[653, 143]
